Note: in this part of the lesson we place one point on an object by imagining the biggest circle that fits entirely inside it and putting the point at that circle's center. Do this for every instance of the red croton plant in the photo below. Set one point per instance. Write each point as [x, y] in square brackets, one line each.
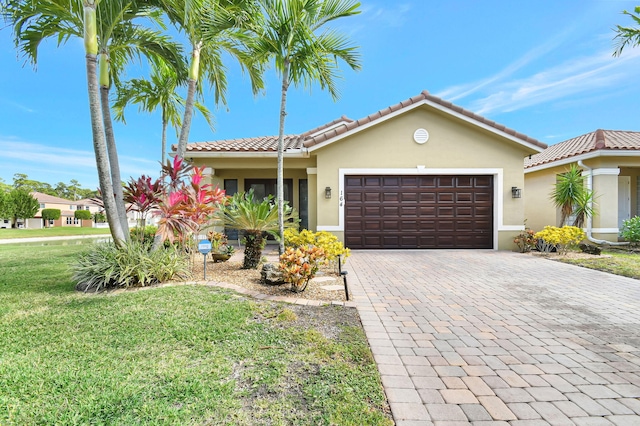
[181, 199]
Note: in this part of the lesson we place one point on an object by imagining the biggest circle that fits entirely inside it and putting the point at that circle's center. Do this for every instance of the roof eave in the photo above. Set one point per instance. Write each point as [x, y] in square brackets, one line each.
[585, 156]
[293, 153]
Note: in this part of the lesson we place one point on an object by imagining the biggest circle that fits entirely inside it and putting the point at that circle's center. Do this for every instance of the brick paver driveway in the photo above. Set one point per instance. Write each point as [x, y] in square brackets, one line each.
[495, 337]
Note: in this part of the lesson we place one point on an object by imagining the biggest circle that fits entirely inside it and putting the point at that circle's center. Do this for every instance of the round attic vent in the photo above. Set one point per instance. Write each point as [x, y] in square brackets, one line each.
[420, 136]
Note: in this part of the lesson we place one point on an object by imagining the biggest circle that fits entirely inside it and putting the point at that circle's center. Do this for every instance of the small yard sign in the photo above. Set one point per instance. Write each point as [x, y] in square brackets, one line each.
[204, 247]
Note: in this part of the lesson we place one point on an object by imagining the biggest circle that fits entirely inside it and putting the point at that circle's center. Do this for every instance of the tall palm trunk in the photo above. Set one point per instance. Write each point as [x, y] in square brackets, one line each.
[97, 127]
[164, 135]
[112, 151]
[280, 178]
[194, 72]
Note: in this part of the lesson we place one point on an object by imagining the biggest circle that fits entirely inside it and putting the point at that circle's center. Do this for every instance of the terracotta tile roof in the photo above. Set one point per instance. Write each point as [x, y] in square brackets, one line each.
[425, 95]
[605, 140]
[46, 198]
[259, 144]
[342, 125]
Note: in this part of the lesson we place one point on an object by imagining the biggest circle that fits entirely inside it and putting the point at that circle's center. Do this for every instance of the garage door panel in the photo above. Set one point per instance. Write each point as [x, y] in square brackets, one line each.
[419, 211]
[353, 196]
[371, 197]
[391, 197]
[408, 197]
[446, 197]
[371, 211]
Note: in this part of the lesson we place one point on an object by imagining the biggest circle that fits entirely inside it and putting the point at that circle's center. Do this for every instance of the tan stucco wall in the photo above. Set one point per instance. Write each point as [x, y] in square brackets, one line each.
[453, 144]
[539, 208]
[540, 211]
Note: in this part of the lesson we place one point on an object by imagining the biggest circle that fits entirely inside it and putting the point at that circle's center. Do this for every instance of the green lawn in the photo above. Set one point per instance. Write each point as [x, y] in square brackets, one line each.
[186, 355]
[59, 231]
[620, 263]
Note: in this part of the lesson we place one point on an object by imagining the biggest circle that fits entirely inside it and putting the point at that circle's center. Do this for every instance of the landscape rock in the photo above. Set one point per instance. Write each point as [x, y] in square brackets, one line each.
[590, 249]
[271, 274]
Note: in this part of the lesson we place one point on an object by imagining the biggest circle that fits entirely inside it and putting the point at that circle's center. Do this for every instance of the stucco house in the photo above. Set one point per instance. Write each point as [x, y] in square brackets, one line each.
[422, 173]
[610, 160]
[67, 211]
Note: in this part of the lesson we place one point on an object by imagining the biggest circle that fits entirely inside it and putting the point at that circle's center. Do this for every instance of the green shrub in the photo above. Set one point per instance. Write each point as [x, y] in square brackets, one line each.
[82, 214]
[562, 238]
[631, 230]
[144, 235]
[99, 217]
[50, 214]
[133, 265]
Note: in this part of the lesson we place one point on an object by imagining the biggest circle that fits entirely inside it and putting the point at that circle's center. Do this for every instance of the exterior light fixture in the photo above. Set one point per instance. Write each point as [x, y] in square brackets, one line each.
[327, 192]
[516, 192]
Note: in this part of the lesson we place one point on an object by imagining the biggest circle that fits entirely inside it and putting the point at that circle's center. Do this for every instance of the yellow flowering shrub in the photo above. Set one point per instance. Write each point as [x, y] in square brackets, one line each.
[325, 240]
[562, 238]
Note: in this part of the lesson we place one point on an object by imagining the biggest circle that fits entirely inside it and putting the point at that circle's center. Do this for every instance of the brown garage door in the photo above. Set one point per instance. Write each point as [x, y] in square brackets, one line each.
[419, 212]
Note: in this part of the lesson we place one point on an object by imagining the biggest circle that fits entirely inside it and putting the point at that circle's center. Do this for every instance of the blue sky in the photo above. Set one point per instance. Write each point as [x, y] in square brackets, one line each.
[542, 67]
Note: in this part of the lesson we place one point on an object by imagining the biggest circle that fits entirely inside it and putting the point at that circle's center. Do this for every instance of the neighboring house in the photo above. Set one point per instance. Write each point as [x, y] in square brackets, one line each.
[67, 211]
[423, 173]
[610, 160]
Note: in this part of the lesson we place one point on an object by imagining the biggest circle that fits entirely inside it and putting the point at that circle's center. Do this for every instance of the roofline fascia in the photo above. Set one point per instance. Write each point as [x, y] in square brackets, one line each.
[294, 153]
[585, 156]
[438, 107]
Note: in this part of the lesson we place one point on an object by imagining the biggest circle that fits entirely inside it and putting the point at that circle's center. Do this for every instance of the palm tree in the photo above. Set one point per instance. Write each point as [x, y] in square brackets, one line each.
[36, 20]
[244, 213]
[160, 91]
[213, 28]
[121, 40]
[304, 53]
[570, 196]
[628, 35]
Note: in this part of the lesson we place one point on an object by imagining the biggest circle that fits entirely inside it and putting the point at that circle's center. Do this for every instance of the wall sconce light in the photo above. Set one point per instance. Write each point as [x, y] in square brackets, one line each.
[327, 192]
[516, 192]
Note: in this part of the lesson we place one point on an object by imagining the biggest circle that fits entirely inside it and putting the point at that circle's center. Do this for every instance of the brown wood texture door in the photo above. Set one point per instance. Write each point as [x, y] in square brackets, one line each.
[410, 212]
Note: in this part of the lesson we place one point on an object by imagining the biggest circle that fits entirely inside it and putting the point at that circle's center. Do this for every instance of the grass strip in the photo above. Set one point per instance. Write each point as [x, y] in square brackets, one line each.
[173, 355]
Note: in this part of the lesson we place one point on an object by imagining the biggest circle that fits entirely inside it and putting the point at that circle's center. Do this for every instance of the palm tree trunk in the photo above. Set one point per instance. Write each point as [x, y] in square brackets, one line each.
[280, 178]
[112, 151]
[194, 72]
[164, 136]
[97, 127]
[254, 242]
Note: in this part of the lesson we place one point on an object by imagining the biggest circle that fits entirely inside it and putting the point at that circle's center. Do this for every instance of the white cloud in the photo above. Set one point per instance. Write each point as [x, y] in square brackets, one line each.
[394, 16]
[63, 161]
[579, 76]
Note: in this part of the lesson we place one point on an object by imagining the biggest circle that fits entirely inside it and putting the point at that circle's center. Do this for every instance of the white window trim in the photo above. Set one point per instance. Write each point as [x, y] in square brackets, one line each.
[498, 192]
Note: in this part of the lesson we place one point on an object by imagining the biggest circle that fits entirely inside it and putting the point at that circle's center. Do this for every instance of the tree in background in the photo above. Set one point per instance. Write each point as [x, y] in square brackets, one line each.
[6, 205]
[304, 52]
[4, 187]
[628, 35]
[24, 205]
[82, 214]
[50, 214]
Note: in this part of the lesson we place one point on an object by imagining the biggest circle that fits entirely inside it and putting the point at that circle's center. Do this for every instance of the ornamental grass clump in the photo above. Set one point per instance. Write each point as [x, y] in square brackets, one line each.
[561, 238]
[300, 265]
[107, 266]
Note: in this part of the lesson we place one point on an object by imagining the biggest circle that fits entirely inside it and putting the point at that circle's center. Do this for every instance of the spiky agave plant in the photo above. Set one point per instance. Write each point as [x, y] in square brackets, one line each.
[256, 219]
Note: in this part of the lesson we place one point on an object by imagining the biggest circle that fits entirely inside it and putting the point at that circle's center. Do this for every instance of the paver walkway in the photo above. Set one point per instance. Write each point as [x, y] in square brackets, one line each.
[485, 337]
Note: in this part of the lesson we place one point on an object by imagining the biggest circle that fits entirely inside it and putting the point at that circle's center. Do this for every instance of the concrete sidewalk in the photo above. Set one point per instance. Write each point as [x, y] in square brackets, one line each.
[486, 337]
[45, 239]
